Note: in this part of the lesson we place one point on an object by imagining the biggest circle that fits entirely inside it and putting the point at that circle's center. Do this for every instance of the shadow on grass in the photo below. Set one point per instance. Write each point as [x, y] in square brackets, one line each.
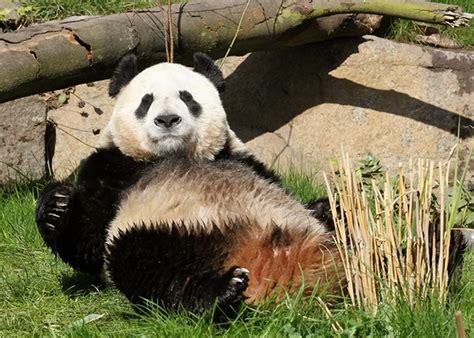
[80, 284]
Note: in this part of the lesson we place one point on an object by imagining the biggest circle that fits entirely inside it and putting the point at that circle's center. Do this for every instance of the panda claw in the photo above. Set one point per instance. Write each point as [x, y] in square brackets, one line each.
[236, 281]
[60, 210]
[53, 215]
[50, 226]
[241, 271]
[239, 277]
[60, 195]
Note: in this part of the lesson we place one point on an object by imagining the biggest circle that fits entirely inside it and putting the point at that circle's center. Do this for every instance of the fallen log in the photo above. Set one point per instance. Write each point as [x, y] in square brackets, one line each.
[63, 53]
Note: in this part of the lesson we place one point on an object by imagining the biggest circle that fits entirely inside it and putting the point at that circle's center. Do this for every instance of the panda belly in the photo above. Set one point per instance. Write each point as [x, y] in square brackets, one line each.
[185, 218]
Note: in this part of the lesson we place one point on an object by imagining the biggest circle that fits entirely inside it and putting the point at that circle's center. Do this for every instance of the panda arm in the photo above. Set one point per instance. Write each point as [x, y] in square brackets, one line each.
[249, 160]
[259, 168]
[65, 227]
[320, 208]
[73, 217]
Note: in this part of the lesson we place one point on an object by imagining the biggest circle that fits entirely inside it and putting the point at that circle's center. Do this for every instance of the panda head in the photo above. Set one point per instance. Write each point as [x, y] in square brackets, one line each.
[169, 109]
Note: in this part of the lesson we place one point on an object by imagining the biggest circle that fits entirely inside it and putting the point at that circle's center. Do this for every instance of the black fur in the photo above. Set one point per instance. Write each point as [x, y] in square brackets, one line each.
[126, 70]
[204, 65]
[321, 210]
[280, 238]
[457, 245]
[249, 160]
[176, 268]
[166, 263]
[193, 106]
[145, 104]
[73, 218]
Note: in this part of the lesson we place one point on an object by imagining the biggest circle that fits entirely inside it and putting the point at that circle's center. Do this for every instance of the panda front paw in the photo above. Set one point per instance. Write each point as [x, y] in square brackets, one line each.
[52, 212]
[232, 294]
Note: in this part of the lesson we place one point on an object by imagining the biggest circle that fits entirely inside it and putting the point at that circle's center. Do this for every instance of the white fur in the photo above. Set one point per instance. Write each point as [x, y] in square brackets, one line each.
[201, 136]
[197, 195]
[207, 194]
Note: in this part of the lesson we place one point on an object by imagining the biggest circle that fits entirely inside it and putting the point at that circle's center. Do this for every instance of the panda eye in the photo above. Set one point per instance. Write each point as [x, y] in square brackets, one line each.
[185, 96]
[193, 106]
[142, 109]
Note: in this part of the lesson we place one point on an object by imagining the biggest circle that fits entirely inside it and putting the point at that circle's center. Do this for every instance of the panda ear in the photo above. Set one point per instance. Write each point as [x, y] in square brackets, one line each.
[126, 70]
[204, 65]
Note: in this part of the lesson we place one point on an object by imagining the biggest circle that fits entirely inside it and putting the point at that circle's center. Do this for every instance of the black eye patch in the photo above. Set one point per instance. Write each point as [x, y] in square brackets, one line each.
[193, 106]
[142, 109]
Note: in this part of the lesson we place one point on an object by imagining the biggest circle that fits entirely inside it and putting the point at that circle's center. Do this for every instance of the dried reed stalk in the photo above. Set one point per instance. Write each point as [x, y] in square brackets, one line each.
[168, 31]
[461, 331]
[392, 240]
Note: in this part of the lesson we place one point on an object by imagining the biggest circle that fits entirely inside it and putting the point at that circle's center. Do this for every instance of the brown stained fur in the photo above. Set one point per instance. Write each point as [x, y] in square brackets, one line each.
[128, 141]
[270, 234]
[280, 261]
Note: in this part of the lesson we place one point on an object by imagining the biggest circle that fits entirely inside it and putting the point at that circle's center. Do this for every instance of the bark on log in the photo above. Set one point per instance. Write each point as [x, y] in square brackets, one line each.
[83, 49]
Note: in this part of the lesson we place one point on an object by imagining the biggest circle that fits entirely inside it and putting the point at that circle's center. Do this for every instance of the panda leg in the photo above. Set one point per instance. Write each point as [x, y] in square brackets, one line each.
[201, 292]
[66, 229]
[177, 269]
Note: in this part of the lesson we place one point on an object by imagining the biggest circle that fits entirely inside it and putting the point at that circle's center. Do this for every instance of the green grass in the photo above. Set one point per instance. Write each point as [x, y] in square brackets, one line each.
[407, 30]
[45, 10]
[41, 296]
[304, 187]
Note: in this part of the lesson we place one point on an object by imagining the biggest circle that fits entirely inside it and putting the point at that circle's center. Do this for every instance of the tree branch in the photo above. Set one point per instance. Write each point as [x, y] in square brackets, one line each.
[82, 49]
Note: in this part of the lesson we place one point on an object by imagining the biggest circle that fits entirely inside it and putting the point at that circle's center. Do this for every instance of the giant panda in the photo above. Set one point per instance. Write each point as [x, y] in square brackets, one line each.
[172, 207]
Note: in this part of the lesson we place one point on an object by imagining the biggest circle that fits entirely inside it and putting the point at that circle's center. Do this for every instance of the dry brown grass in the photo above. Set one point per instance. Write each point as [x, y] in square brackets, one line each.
[394, 235]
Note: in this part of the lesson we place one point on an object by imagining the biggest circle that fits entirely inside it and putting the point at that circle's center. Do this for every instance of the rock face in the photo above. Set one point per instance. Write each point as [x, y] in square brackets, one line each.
[79, 125]
[367, 94]
[22, 135]
[300, 106]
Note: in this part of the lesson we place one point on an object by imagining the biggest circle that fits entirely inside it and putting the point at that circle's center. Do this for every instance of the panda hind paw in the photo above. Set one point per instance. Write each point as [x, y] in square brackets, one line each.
[240, 276]
[235, 283]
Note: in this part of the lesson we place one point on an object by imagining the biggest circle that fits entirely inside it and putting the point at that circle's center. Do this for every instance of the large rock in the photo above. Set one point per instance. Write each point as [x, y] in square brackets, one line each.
[301, 105]
[22, 135]
[367, 94]
[80, 123]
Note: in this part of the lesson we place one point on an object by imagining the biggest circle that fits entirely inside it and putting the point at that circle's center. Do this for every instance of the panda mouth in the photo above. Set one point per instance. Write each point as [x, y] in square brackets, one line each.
[162, 138]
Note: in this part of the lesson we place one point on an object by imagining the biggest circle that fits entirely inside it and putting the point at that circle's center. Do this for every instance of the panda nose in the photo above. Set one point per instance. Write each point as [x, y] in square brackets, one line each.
[167, 121]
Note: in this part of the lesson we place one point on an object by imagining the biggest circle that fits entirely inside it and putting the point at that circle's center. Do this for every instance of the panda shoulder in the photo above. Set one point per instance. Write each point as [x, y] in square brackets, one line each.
[247, 159]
